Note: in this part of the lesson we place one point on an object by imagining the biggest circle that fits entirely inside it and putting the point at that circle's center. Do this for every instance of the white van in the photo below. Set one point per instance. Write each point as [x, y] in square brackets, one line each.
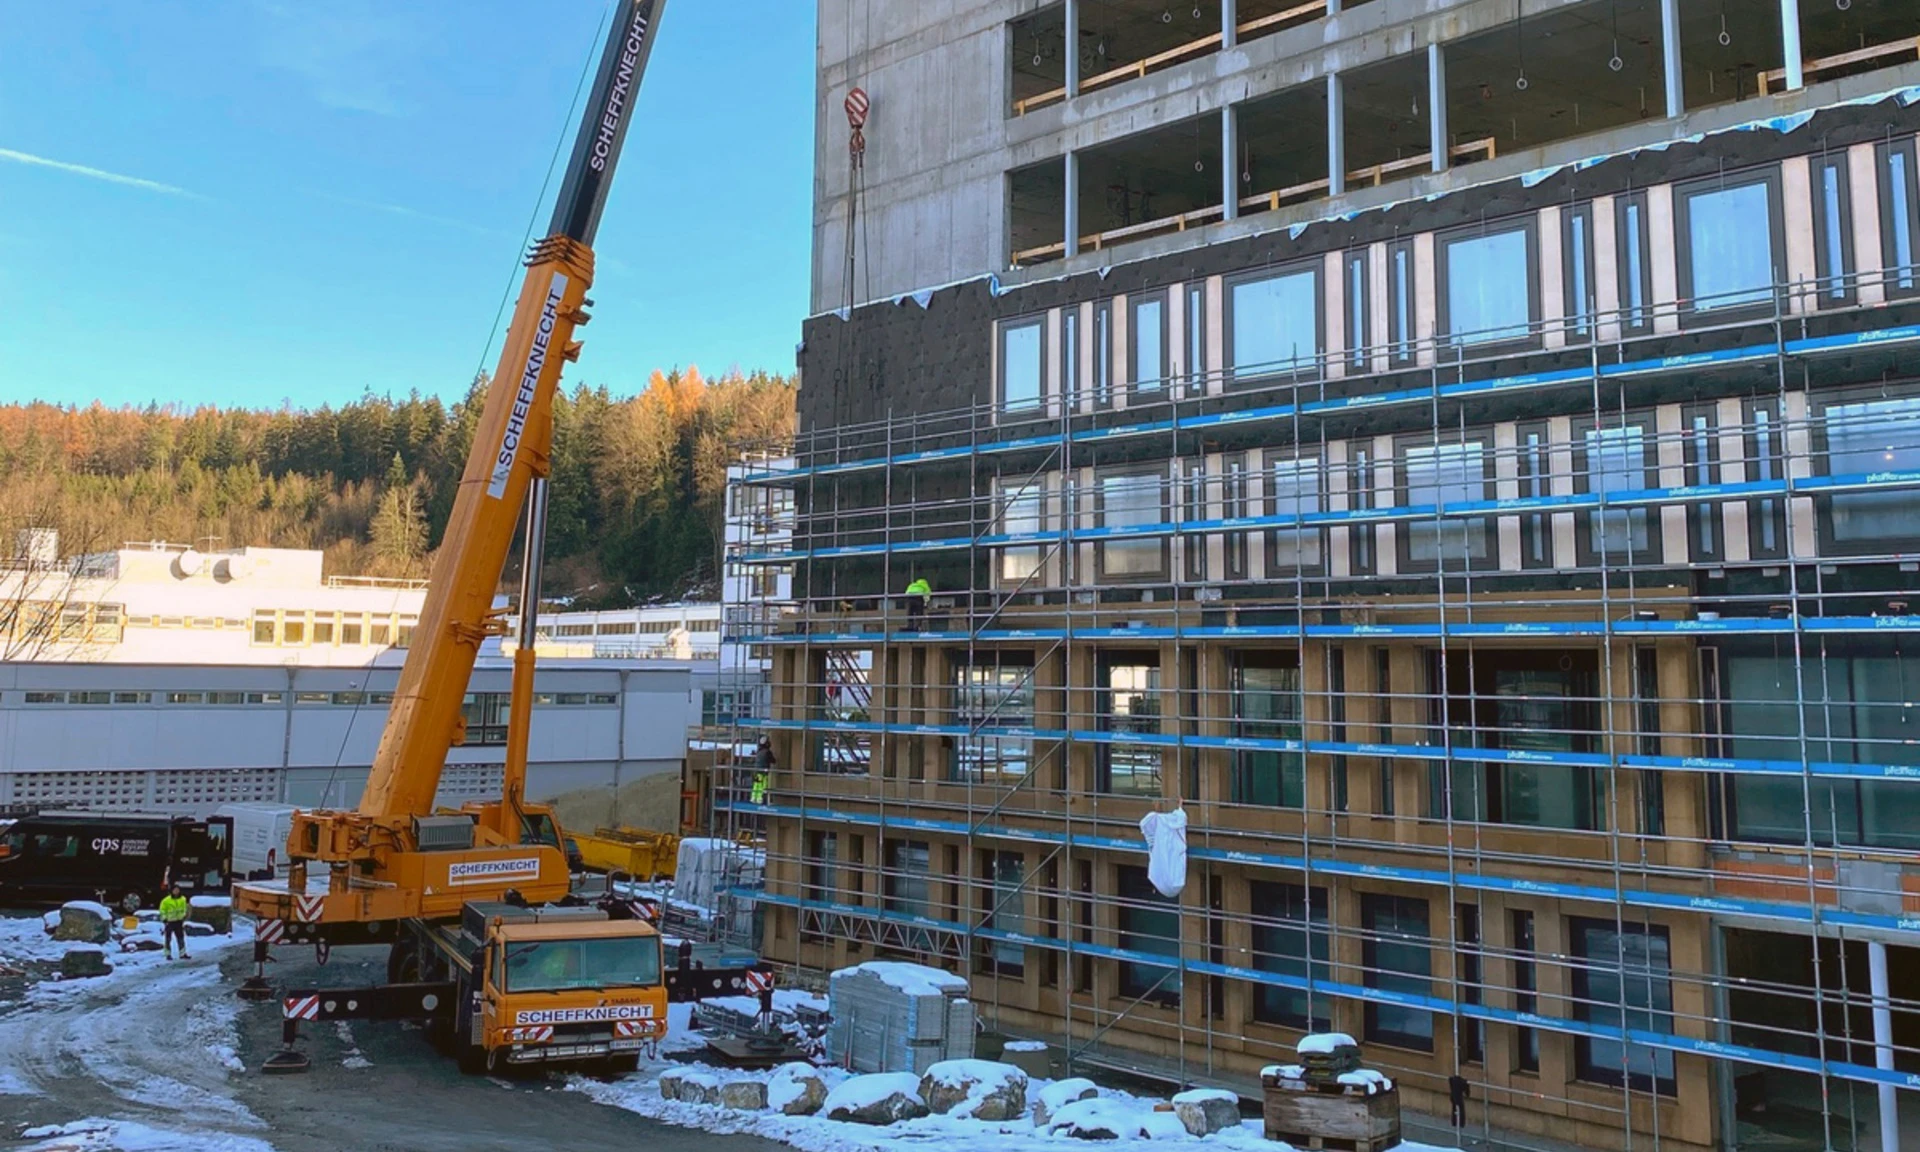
[260, 832]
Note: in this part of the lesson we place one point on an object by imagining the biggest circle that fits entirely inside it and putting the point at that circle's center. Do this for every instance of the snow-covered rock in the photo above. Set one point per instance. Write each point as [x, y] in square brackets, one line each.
[85, 922]
[1098, 1119]
[197, 929]
[743, 1095]
[796, 1090]
[689, 1087]
[214, 911]
[881, 1098]
[1058, 1095]
[80, 963]
[1204, 1111]
[979, 1089]
[1324, 1043]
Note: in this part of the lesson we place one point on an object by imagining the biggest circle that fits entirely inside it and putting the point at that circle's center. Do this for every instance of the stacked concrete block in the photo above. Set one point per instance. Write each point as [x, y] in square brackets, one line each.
[895, 1017]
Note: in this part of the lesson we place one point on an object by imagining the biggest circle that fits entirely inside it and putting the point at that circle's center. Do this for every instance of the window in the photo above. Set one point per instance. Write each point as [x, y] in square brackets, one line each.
[1488, 295]
[1611, 462]
[1634, 261]
[1433, 476]
[557, 965]
[1899, 216]
[1576, 265]
[1006, 874]
[1290, 939]
[1832, 231]
[1864, 437]
[1273, 324]
[1766, 460]
[1131, 500]
[1359, 311]
[350, 630]
[1383, 717]
[1723, 264]
[1021, 344]
[1070, 382]
[1360, 536]
[1129, 702]
[1103, 353]
[1194, 495]
[1701, 447]
[1535, 471]
[1398, 958]
[186, 697]
[1293, 489]
[379, 633]
[1401, 304]
[1147, 332]
[1197, 338]
[1534, 705]
[293, 629]
[1646, 704]
[263, 627]
[823, 858]
[323, 627]
[1266, 706]
[906, 889]
[1466, 936]
[1149, 923]
[1624, 981]
[1526, 1042]
[1233, 506]
[1020, 513]
[996, 692]
[485, 714]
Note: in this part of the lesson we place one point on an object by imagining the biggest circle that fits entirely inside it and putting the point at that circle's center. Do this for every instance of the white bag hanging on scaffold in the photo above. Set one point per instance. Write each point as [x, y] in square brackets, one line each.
[1166, 834]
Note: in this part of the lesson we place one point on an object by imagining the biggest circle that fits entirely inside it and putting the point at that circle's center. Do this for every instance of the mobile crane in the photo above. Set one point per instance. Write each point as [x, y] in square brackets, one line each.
[499, 978]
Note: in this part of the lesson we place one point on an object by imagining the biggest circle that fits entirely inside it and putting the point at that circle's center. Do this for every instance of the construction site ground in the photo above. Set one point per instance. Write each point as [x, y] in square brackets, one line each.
[160, 1055]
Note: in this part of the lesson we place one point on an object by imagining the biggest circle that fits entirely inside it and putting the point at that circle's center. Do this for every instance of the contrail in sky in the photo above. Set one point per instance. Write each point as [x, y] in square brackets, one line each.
[96, 174]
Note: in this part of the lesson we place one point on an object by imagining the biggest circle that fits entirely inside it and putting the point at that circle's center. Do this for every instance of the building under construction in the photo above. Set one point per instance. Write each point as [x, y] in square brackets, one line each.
[1466, 456]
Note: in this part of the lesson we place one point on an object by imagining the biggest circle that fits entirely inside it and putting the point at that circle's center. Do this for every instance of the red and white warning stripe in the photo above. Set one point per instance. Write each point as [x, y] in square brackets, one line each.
[758, 982]
[270, 931]
[303, 1008]
[306, 909]
[531, 1034]
[628, 1029]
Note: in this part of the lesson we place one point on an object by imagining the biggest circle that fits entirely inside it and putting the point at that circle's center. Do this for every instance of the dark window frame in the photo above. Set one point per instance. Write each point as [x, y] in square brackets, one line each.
[1633, 246]
[1489, 524]
[1700, 449]
[1362, 535]
[1105, 718]
[1833, 287]
[1193, 496]
[1302, 912]
[1586, 1010]
[1403, 332]
[1136, 387]
[1526, 999]
[1270, 501]
[1103, 383]
[1588, 556]
[1158, 480]
[1372, 905]
[1579, 301]
[1242, 771]
[1529, 228]
[1136, 894]
[1357, 282]
[1236, 497]
[1002, 404]
[1909, 190]
[1306, 369]
[1830, 543]
[1070, 355]
[1691, 314]
[1196, 333]
[1536, 528]
[1765, 511]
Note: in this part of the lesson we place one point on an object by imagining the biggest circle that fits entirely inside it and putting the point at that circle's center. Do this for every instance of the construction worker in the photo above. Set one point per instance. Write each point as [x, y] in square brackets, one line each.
[173, 921]
[919, 595]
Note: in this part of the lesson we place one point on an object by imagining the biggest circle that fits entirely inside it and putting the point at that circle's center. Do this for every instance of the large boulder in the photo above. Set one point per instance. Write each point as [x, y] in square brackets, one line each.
[689, 1087]
[142, 942]
[214, 911]
[743, 1095]
[1204, 1111]
[796, 1090]
[880, 1099]
[85, 922]
[1058, 1095]
[981, 1089]
[1096, 1119]
[80, 963]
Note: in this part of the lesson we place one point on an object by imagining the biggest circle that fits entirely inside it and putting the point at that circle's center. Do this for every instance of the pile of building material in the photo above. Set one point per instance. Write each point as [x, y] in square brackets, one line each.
[896, 1017]
[1328, 1100]
[707, 866]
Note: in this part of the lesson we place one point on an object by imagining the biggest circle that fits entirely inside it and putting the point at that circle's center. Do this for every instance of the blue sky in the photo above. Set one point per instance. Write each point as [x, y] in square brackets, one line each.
[266, 201]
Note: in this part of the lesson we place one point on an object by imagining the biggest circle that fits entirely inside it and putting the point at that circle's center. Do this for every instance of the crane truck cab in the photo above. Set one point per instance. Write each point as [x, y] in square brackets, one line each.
[539, 985]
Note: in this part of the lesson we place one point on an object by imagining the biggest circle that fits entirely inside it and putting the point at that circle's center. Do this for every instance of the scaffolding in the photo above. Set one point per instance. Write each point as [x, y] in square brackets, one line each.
[1506, 708]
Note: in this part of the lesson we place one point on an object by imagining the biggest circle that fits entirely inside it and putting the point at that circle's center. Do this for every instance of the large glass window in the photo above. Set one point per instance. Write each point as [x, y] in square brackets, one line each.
[1149, 923]
[1070, 382]
[1526, 1041]
[1129, 702]
[1359, 310]
[1489, 286]
[1576, 263]
[1197, 336]
[1274, 324]
[1401, 305]
[557, 965]
[1535, 469]
[1021, 363]
[1728, 231]
[1103, 353]
[1193, 508]
[1290, 938]
[1020, 512]
[1131, 500]
[1435, 475]
[1007, 873]
[1865, 437]
[1293, 489]
[1766, 460]
[1899, 217]
[1266, 706]
[1360, 482]
[1398, 956]
[1856, 696]
[1624, 980]
[1634, 261]
[1701, 445]
[906, 888]
[994, 692]
[1608, 462]
[1147, 330]
[1233, 506]
[1832, 230]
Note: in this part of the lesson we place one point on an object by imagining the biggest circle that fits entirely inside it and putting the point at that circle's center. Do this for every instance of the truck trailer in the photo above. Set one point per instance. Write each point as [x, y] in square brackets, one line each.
[123, 860]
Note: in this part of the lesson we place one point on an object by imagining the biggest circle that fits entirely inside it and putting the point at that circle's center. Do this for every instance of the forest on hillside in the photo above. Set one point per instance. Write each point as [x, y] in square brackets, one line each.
[637, 486]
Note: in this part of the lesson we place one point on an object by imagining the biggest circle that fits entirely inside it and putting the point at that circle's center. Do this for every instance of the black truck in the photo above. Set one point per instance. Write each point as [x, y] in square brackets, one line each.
[123, 860]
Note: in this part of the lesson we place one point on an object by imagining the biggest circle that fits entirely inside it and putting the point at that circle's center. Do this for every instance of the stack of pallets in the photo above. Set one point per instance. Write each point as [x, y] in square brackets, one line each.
[893, 1017]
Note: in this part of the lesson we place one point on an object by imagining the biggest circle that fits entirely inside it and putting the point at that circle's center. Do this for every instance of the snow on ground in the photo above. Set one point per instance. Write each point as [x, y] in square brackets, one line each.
[98, 1135]
[640, 1093]
[23, 941]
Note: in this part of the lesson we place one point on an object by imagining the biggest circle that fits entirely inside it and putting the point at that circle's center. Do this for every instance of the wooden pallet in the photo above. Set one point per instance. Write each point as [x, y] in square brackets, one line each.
[1306, 1143]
